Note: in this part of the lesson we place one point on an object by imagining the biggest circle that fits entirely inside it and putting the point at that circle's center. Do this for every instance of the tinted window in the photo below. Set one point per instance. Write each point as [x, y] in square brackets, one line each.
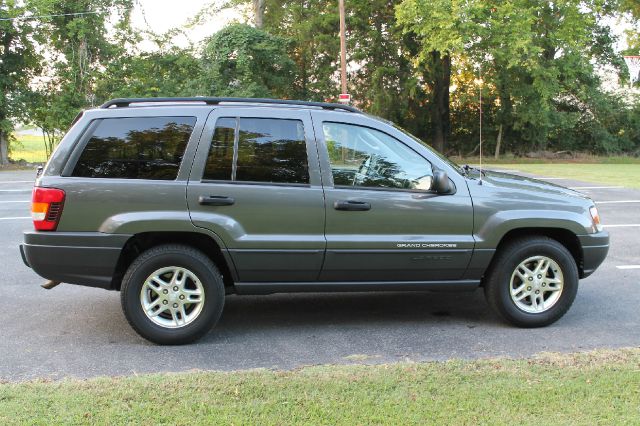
[220, 160]
[136, 148]
[272, 150]
[361, 156]
[268, 150]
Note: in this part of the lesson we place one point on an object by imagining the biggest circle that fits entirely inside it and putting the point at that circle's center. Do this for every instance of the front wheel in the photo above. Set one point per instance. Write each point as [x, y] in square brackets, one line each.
[172, 294]
[532, 282]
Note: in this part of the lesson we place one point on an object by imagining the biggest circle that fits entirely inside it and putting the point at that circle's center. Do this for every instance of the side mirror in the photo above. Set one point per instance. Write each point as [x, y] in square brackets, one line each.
[441, 183]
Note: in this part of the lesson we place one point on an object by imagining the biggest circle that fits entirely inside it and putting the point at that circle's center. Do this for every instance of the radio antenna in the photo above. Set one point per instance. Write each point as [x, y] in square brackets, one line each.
[480, 73]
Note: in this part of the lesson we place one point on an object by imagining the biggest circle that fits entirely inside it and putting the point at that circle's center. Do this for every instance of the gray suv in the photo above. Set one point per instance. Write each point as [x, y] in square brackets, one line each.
[177, 202]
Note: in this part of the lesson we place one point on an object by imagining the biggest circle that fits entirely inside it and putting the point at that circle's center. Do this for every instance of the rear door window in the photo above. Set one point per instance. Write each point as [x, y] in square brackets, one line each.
[135, 148]
[262, 150]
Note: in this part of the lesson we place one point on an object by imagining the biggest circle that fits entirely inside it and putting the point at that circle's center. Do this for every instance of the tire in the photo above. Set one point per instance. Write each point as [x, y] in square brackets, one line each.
[198, 300]
[511, 273]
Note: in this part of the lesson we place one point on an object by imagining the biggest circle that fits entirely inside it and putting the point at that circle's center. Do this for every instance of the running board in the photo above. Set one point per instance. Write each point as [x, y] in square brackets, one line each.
[327, 287]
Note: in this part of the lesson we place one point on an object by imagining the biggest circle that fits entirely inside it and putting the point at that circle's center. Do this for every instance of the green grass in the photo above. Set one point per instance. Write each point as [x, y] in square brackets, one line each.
[579, 159]
[29, 148]
[627, 175]
[590, 388]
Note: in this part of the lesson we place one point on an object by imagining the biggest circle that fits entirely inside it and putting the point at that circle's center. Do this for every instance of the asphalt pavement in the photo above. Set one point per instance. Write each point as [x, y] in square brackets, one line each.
[81, 332]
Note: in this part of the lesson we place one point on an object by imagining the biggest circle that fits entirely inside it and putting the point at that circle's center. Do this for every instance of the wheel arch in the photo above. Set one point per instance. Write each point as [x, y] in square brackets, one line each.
[564, 236]
[142, 241]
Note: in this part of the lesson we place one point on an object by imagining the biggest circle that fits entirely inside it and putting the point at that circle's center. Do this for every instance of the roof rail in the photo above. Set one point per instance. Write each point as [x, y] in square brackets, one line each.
[125, 102]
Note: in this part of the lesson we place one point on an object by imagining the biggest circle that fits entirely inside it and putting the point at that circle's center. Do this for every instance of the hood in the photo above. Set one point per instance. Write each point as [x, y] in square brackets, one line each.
[516, 183]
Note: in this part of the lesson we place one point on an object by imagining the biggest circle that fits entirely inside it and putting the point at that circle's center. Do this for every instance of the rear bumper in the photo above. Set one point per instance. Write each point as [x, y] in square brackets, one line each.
[594, 250]
[84, 258]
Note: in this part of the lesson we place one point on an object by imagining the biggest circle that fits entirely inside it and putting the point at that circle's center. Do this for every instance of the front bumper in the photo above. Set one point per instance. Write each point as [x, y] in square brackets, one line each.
[84, 258]
[594, 250]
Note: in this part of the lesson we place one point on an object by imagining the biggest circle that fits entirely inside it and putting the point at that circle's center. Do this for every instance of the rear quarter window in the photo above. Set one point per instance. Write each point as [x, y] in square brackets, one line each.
[135, 148]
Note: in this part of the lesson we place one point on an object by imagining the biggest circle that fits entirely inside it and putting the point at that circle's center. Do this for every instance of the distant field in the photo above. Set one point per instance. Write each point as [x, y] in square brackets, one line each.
[29, 148]
[627, 175]
[591, 388]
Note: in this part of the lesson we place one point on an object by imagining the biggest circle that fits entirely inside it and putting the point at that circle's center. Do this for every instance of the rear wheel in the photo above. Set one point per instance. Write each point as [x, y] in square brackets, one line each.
[533, 281]
[172, 294]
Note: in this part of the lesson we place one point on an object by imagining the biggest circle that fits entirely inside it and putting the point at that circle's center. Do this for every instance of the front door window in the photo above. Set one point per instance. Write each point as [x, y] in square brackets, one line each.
[364, 157]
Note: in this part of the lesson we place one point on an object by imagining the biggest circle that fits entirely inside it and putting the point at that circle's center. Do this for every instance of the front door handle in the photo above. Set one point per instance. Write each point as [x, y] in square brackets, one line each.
[215, 200]
[348, 205]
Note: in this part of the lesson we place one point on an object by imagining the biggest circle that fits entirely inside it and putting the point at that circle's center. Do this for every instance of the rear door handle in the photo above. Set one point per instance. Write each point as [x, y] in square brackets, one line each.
[215, 200]
[356, 206]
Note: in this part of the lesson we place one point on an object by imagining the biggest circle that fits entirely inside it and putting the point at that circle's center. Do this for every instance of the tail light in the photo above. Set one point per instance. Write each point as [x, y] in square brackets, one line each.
[46, 208]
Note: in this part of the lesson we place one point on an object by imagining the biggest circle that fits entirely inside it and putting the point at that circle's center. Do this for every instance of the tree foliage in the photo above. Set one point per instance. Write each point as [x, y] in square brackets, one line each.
[241, 60]
[538, 66]
[309, 27]
[19, 63]
[151, 74]
[75, 49]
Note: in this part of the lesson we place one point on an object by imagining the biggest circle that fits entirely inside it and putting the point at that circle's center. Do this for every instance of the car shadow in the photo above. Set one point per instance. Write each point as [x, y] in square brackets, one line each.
[300, 314]
[257, 314]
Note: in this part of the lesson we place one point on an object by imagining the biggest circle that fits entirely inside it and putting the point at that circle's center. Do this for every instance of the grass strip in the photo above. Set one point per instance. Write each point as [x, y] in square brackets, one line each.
[601, 387]
[627, 175]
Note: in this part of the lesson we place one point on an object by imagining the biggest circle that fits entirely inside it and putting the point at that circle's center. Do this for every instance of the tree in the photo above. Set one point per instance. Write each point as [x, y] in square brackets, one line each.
[543, 56]
[173, 72]
[382, 77]
[244, 61]
[385, 81]
[18, 64]
[538, 60]
[443, 28]
[630, 6]
[80, 48]
[310, 28]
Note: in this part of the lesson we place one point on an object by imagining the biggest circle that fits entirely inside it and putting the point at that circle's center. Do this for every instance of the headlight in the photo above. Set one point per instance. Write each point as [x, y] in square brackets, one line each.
[595, 217]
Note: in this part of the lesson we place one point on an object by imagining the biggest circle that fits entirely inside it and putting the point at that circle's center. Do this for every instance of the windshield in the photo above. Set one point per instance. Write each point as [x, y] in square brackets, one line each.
[456, 167]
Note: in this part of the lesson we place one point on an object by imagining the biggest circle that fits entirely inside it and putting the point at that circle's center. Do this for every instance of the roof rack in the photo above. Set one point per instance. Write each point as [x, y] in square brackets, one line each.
[126, 102]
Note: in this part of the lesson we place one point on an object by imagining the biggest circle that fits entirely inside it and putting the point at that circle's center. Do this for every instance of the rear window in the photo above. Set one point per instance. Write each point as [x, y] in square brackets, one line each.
[136, 148]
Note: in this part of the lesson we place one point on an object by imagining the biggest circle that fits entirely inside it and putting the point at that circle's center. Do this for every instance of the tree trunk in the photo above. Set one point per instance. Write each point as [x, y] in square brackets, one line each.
[4, 148]
[498, 142]
[441, 81]
[258, 11]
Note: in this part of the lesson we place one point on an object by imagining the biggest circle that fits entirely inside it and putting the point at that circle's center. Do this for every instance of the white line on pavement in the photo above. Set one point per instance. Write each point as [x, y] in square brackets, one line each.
[628, 267]
[596, 187]
[16, 190]
[14, 218]
[622, 226]
[552, 178]
[16, 181]
[15, 201]
[618, 202]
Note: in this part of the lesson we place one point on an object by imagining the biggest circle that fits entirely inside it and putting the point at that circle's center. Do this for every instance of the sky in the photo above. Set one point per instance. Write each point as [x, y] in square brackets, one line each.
[162, 15]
